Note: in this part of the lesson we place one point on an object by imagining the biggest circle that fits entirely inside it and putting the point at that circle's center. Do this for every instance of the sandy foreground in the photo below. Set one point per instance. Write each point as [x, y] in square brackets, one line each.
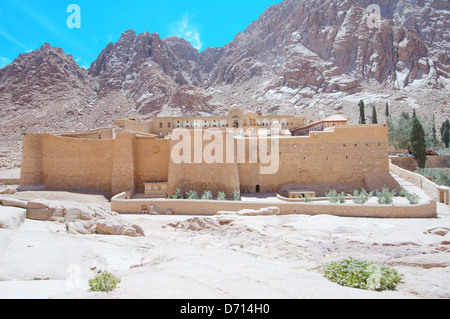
[222, 257]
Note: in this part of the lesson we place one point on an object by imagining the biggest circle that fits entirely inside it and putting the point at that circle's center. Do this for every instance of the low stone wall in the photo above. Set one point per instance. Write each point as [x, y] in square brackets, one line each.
[409, 163]
[122, 205]
[9, 181]
[439, 193]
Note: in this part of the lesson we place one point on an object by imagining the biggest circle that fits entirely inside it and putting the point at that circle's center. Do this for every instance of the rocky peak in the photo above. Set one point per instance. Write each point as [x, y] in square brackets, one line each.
[48, 69]
[300, 57]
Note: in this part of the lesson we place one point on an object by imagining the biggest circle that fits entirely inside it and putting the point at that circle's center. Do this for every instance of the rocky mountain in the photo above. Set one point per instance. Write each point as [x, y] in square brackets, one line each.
[312, 57]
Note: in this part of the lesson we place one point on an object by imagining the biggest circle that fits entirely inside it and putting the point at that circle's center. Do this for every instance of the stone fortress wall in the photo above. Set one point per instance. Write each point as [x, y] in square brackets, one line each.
[125, 157]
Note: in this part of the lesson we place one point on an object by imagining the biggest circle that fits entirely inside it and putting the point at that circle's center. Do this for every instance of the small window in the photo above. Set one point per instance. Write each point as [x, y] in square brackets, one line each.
[168, 125]
[160, 125]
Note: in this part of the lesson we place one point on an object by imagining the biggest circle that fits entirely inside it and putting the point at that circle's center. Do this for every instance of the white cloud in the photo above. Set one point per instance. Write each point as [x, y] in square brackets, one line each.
[4, 62]
[185, 29]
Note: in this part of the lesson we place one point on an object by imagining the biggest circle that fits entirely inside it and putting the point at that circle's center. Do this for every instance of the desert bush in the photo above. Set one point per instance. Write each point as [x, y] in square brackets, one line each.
[192, 195]
[307, 198]
[104, 282]
[335, 197]
[177, 194]
[362, 274]
[332, 196]
[386, 196]
[221, 196]
[361, 196]
[413, 198]
[237, 195]
[207, 195]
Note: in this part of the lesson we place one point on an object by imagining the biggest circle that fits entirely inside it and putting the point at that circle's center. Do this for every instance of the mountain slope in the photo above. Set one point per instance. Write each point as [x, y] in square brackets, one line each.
[313, 57]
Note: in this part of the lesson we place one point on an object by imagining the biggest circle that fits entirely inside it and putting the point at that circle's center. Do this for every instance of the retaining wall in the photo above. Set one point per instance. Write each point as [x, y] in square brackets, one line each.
[122, 205]
[438, 193]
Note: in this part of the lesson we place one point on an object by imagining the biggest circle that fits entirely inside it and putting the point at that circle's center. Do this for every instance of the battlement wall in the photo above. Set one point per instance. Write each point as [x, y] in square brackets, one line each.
[344, 158]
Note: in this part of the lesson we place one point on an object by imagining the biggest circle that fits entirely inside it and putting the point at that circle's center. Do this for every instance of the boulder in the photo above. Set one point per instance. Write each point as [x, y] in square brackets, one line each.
[253, 212]
[11, 217]
[115, 227]
[109, 227]
[56, 213]
[12, 202]
[74, 211]
[41, 214]
[83, 227]
[132, 231]
[37, 204]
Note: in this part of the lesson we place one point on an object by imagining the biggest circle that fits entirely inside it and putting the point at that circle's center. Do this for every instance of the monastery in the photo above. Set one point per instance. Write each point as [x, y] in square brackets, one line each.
[138, 156]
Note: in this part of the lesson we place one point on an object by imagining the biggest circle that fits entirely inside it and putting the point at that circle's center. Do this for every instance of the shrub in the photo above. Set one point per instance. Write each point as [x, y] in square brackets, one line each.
[362, 274]
[105, 282]
[207, 195]
[332, 196]
[177, 194]
[221, 196]
[361, 197]
[307, 198]
[413, 198]
[386, 197]
[237, 195]
[192, 195]
[335, 197]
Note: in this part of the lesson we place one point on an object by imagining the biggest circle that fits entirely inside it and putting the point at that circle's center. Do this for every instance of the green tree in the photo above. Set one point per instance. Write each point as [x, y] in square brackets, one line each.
[400, 131]
[434, 131]
[374, 115]
[445, 133]
[387, 110]
[414, 114]
[417, 143]
[362, 115]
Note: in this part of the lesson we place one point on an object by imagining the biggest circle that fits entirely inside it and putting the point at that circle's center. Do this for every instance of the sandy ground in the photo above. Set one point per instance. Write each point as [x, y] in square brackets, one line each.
[226, 257]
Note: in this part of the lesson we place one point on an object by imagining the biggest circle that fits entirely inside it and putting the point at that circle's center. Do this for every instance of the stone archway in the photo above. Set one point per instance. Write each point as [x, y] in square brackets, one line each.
[235, 117]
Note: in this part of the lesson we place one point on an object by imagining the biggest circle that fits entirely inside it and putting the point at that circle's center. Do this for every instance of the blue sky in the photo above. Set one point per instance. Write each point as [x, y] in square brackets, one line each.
[27, 24]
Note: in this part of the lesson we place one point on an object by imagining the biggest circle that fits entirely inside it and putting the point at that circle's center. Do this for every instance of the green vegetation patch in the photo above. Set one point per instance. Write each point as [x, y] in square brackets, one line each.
[104, 282]
[362, 274]
[440, 176]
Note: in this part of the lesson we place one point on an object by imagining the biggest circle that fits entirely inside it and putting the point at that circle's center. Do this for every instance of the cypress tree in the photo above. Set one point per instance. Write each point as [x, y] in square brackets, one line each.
[362, 115]
[417, 143]
[446, 138]
[387, 109]
[445, 133]
[414, 114]
[434, 131]
[374, 115]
